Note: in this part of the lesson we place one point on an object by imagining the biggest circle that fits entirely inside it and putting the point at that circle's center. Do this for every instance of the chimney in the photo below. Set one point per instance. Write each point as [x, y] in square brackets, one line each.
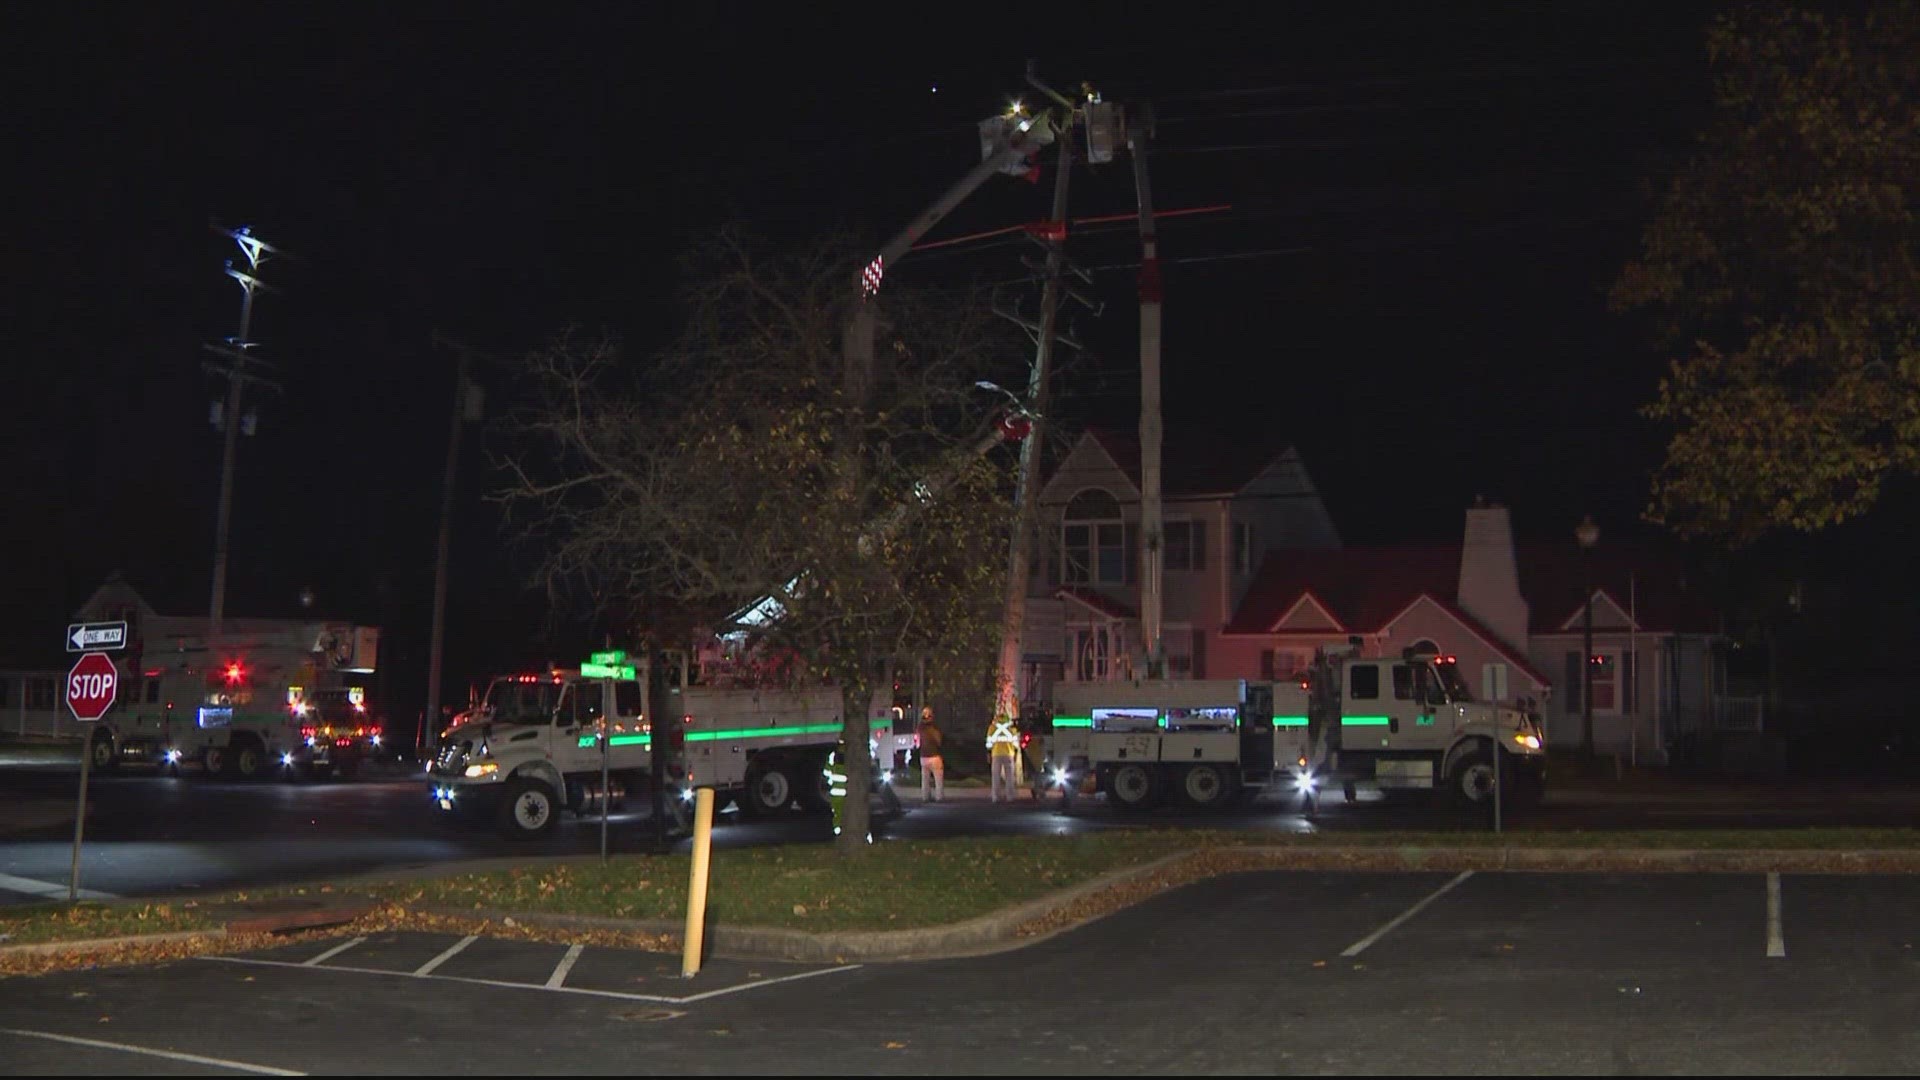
[1490, 576]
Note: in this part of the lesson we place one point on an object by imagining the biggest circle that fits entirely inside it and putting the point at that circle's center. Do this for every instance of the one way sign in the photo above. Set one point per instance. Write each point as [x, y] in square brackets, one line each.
[91, 636]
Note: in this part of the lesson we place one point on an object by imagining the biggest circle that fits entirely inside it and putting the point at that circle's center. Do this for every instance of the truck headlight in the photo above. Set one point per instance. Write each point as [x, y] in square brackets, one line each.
[1528, 740]
[485, 768]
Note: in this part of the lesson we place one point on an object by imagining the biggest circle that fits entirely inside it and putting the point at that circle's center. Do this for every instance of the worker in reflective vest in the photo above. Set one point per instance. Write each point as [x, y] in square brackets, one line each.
[1003, 742]
[836, 774]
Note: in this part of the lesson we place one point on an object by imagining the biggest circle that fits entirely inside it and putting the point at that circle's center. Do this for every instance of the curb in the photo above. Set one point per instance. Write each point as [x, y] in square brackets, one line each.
[87, 945]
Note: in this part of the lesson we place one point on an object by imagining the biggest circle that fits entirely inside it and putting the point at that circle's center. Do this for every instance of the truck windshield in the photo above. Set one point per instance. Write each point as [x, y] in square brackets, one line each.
[514, 701]
[1455, 683]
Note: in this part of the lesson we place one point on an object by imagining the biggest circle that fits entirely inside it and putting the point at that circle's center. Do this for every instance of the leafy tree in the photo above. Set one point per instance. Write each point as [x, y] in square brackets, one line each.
[744, 461]
[1783, 252]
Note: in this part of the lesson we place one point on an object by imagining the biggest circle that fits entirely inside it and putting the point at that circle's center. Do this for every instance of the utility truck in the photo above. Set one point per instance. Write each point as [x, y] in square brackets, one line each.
[287, 700]
[531, 748]
[1407, 723]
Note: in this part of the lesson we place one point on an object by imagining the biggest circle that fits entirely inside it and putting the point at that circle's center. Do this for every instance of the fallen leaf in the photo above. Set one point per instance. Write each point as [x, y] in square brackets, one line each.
[799, 909]
[896, 1046]
[1319, 963]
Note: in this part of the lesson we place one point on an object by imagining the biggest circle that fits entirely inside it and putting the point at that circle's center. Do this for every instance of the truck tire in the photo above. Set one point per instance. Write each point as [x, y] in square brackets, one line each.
[1133, 786]
[529, 809]
[809, 780]
[1203, 785]
[1471, 781]
[216, 760]
[768, 791]
[101, 749]
[248, 759]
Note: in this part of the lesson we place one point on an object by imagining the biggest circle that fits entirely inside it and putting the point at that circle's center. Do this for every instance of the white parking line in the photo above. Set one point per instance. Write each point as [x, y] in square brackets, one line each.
[331, 953]
[1360, 946]
[1776, 939]
[172, 1055]
[621, 995]
[427, 968]
[764, 982]
[559, 975]
[48, 889]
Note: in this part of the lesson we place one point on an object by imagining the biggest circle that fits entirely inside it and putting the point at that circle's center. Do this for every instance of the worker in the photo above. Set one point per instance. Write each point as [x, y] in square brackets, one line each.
[1003, 742]
[933, 767]
[836, 774]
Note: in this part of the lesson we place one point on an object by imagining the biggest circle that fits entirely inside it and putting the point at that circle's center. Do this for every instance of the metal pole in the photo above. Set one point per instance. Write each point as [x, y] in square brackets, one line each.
[80, 815]
[1027, 491]
[435, 650]
[606, 787]
[1586, 679]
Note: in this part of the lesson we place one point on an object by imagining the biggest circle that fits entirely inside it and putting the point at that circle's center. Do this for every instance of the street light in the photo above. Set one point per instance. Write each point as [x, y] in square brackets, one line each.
[1588, 535]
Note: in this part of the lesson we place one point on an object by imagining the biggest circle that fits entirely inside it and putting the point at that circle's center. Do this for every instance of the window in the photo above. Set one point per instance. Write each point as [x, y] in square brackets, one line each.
[584, 704]
[1242, 547]
[40, 694]
[1282, 663]
[1363, 682]
[1604, 670]
[1403, 682]
[1605, 689]
[627, 699]
[1186, 545]
[1093, 541]
[1091, 649]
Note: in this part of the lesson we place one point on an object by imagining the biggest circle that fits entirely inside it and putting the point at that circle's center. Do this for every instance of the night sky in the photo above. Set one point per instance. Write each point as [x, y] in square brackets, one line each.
[1429, 203]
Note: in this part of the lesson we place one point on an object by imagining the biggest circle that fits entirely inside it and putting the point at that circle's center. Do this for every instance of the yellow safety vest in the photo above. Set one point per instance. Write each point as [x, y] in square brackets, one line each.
[1002, 740]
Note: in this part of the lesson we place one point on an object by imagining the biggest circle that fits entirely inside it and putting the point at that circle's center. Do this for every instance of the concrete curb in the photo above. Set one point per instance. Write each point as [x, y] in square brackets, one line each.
[87, 945]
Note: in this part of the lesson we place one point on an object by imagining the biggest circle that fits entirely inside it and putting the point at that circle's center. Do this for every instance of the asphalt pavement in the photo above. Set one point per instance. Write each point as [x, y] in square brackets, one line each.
[155, 835]
[1259, 972]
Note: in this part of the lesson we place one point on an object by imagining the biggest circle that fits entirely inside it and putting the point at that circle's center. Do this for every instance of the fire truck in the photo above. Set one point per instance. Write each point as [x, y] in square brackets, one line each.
[1399, 724]
[531, 748]
[290, 700]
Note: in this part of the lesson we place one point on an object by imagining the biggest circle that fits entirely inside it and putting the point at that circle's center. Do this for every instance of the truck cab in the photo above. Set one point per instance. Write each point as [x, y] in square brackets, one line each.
[1410, 723]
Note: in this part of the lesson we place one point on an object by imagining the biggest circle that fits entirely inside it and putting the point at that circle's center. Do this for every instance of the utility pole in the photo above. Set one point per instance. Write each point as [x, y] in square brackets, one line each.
[467, 404]
[239, 369]
[1152, 529]
[1027, 489]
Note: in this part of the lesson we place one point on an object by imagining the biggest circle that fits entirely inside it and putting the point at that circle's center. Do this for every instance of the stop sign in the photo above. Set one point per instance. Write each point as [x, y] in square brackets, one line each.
[91, 686]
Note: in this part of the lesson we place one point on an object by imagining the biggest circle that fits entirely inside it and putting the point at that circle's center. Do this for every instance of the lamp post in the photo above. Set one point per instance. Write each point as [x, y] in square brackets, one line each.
[1588, 534]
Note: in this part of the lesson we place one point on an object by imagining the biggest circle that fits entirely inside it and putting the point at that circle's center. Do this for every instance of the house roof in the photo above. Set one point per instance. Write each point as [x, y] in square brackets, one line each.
[1650, 580]
[1105, 605]
[1196, 463]
[1364, 587]
[1480, 630]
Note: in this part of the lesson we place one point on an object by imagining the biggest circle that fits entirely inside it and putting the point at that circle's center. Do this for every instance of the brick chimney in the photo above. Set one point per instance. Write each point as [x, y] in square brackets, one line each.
[1490, 576]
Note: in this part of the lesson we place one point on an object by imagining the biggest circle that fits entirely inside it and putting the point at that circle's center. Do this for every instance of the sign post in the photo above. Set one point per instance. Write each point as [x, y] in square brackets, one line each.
[91, 687]
[607, 666]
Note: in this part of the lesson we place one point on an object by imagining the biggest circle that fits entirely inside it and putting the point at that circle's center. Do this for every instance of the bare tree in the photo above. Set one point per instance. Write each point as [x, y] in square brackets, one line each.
[735, 465]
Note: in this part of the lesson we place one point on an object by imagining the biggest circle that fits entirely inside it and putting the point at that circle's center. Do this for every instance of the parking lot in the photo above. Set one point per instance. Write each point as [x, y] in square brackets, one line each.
[1267, 971]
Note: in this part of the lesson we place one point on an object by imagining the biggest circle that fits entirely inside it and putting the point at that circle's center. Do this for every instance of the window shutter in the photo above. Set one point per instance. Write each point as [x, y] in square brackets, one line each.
[1574, 673]
[1133, 554]
[1266, 664]
[1629, 683]
[1199, 542]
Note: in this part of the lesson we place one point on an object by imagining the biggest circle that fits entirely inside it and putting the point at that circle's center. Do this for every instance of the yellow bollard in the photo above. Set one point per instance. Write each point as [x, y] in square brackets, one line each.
[697, 881]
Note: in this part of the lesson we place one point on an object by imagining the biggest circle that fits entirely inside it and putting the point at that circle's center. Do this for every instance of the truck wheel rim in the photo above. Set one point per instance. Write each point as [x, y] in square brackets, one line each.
[773, 789]
[1477, 782]
[102, 752]
[1203, 785]
[215, 760]
[248, 761]
[1131, 784]
[531, 809]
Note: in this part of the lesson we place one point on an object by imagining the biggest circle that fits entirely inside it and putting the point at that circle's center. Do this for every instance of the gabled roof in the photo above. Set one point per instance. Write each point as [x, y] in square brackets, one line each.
[1365, 587]
[1478, 629]
[1191, 463]
[1649, 580]
[1104, 605]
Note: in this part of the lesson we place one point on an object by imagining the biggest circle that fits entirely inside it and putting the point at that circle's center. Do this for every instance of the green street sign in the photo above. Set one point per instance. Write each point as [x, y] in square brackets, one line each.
[616, 656]
[623, 672]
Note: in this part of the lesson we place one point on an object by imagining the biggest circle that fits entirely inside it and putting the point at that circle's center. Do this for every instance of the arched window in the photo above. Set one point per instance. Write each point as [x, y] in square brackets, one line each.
[1093, 541]
[1426, 645]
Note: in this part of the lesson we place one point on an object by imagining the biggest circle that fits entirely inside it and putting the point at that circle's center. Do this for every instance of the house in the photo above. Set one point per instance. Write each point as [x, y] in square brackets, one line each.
[1225, 510]
[1515, 617]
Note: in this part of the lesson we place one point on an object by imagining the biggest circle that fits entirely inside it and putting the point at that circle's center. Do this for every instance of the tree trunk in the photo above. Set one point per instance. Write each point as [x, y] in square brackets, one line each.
[856, 819]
